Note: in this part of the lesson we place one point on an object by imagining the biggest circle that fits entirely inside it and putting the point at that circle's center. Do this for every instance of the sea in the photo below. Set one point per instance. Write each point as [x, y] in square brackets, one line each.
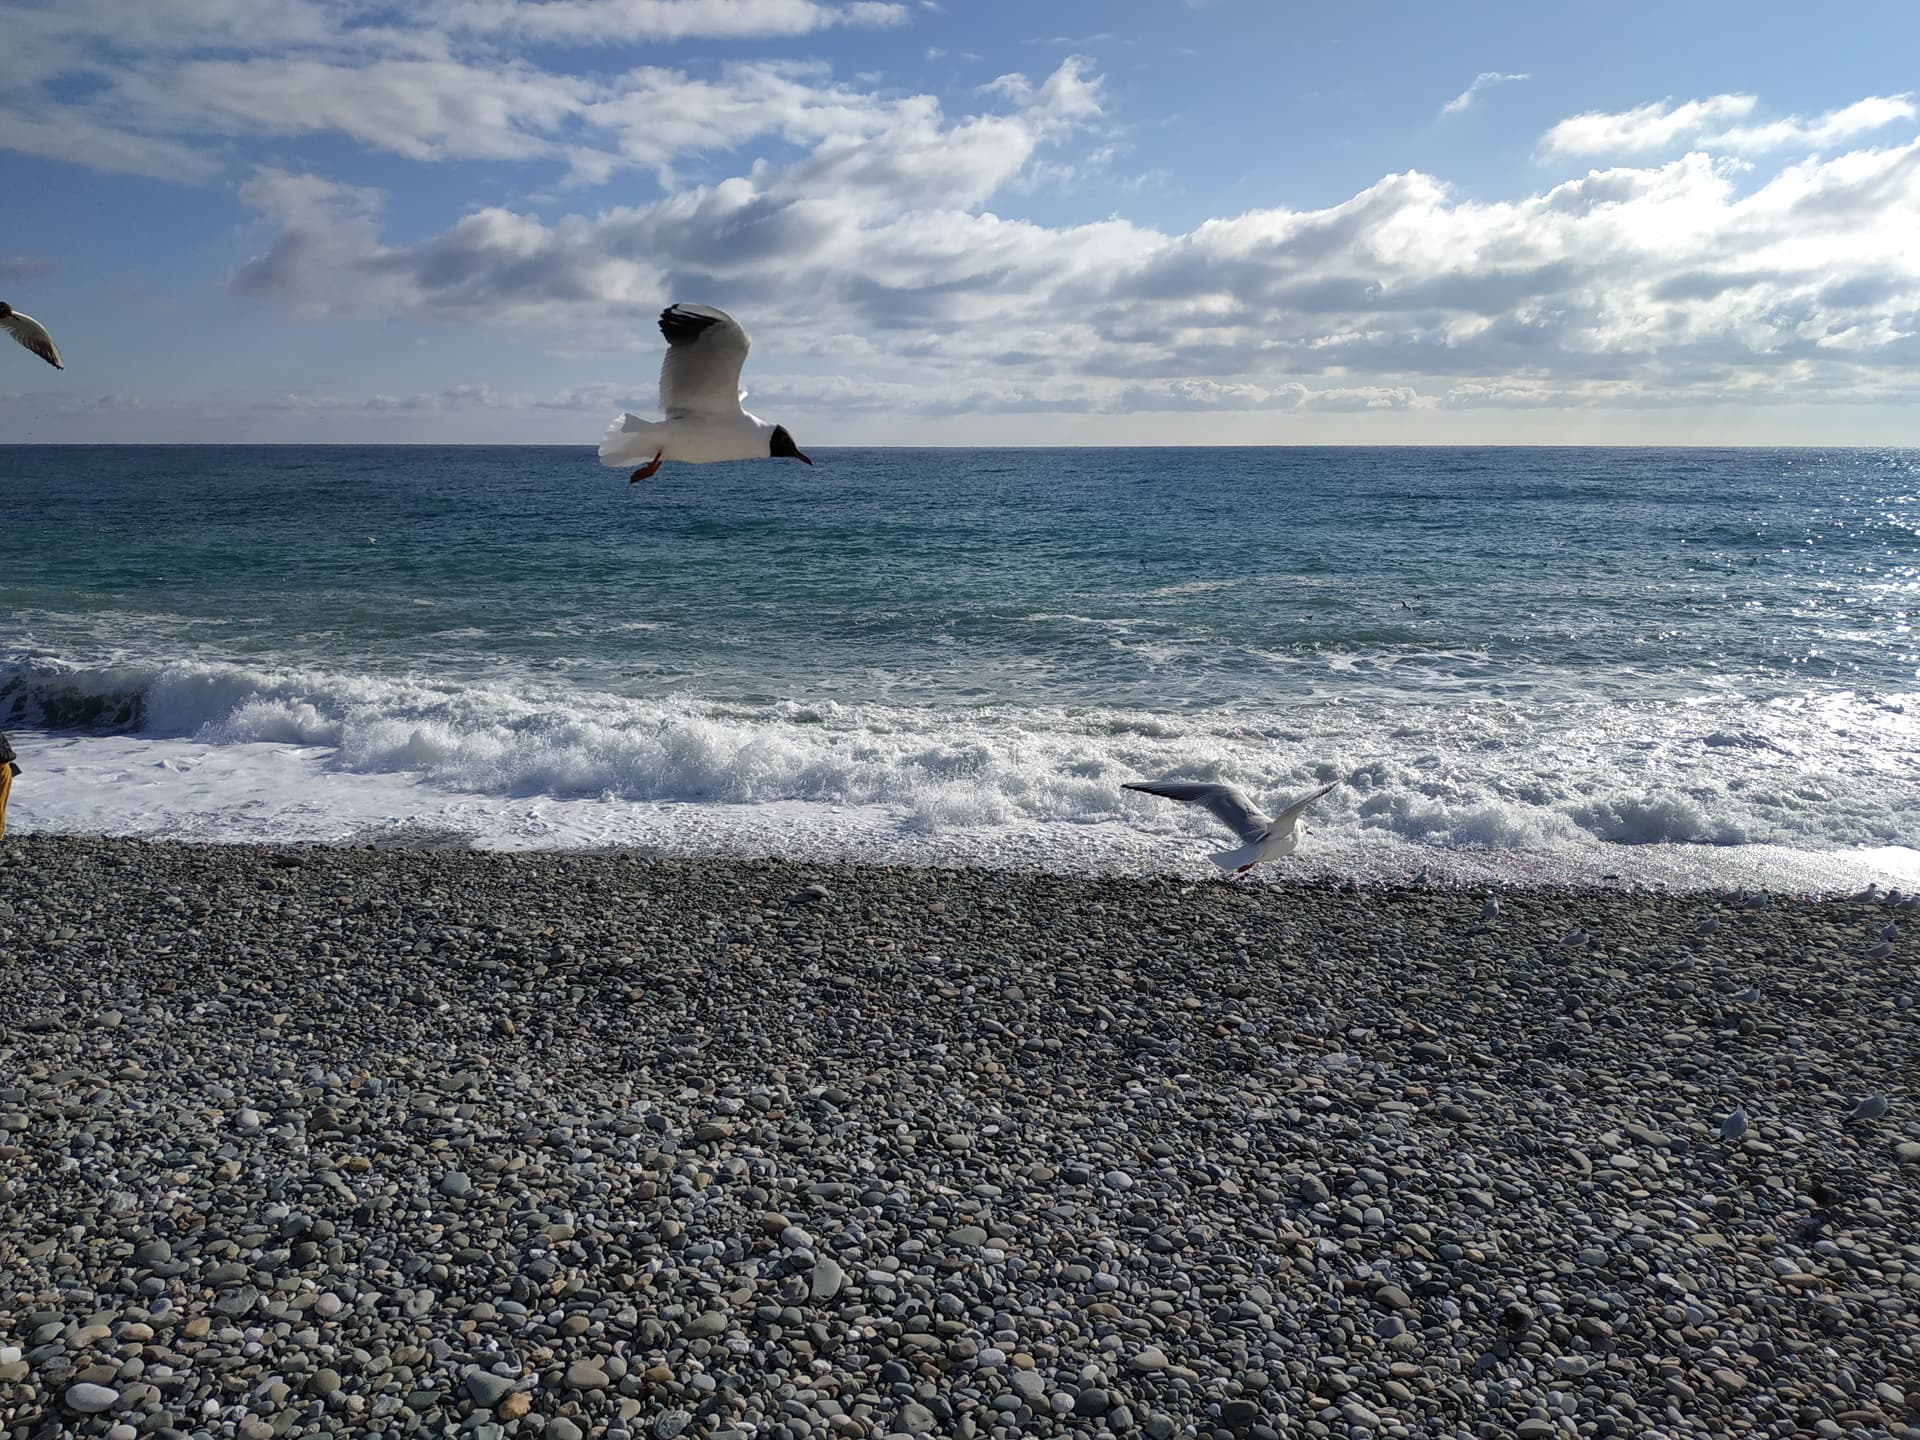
[1596, 666]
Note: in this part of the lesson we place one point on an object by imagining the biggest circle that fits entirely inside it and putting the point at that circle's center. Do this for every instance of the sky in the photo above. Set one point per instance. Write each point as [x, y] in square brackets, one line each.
[972, 222]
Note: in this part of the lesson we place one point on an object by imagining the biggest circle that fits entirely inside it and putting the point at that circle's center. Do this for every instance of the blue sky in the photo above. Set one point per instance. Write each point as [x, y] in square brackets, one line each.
[967, 223]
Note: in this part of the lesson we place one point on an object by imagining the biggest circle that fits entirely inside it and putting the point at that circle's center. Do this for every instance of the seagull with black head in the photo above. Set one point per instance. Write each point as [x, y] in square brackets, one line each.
[700, 399]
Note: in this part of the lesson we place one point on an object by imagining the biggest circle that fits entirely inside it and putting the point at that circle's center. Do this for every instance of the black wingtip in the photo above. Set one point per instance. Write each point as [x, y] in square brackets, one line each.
[681, 325]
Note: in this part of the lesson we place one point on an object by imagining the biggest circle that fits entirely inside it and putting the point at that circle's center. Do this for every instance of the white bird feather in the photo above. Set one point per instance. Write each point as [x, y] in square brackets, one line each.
[30, 333]
[1263, 837]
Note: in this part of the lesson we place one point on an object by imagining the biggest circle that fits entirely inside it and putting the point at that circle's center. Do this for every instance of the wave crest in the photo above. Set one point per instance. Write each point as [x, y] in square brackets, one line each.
[1486, 778]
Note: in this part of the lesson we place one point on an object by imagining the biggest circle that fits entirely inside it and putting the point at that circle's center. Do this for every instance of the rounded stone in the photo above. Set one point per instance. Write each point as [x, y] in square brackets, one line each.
[90, 1399]
[1092, 1400]
[488, 1389]
[587, 1375]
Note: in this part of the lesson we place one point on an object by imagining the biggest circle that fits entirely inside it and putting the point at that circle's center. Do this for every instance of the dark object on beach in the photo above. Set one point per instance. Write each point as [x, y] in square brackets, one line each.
[9, 767]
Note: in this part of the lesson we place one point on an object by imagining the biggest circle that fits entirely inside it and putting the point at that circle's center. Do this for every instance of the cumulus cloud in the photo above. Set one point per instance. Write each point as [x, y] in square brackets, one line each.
[1634, 284]
[871, 236]
[1481, 82]
[770, 233]
[1715, 124]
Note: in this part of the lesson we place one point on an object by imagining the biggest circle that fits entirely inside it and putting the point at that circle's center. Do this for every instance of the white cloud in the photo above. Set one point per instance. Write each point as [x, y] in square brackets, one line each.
[1712, 124]
[1480, 82]
[659, 116]
[164, 90]
[422, 109]
[1862, 117]
[1632, 285]
[865, 233]
[628, 21]
[64, 132]
[1654, 126]
[295, 199]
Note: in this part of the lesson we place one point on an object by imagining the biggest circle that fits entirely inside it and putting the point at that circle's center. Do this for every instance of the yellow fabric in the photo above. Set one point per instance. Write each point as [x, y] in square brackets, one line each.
[6, 784]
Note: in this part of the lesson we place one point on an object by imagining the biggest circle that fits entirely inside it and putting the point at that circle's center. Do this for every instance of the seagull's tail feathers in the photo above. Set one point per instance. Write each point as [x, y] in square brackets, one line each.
[1231, 860]
[630, 440]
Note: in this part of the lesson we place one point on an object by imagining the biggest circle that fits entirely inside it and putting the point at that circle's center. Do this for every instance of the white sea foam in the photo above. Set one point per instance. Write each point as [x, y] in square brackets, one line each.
[1810, 794]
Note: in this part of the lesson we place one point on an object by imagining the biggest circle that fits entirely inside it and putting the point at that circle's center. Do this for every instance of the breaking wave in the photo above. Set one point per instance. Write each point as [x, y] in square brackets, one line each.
[1485, 777]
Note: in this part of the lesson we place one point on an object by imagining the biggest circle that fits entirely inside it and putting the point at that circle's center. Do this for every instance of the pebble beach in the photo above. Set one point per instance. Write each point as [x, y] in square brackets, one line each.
[354, 1141]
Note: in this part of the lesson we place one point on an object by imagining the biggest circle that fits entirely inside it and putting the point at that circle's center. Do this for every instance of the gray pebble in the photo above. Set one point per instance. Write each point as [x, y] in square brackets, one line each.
[488, 1389]
[87, 1398]
[1328, 1159]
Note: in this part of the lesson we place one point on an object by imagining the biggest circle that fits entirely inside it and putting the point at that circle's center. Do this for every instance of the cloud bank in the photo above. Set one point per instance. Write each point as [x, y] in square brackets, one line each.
[1699, 251]
[1677, 280]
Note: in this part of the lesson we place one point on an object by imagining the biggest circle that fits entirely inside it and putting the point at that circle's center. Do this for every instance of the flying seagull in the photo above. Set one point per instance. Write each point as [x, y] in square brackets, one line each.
[1263, 837]
[700, 396]
[30, 333]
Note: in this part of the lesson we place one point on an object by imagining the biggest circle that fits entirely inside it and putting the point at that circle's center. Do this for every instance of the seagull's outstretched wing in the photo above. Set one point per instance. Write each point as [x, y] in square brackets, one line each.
[32, 334]
[705, 350]
[1290, 816]
[1224, 802]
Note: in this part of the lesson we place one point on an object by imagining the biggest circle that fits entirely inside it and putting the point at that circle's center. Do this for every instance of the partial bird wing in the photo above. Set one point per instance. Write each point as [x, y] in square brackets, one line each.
[1225, 803]
[1290, 816]
[705, 350]
[32, 334]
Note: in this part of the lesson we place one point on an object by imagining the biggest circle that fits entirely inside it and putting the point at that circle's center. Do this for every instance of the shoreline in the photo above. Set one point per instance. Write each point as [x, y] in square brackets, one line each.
[345, 1141]
[723, 837]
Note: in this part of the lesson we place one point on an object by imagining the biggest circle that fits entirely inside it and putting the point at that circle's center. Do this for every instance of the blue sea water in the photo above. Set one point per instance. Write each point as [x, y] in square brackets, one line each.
[1527, 662]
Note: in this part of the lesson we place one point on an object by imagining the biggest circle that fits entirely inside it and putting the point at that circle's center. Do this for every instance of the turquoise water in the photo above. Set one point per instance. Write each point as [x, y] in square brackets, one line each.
[1509, 649]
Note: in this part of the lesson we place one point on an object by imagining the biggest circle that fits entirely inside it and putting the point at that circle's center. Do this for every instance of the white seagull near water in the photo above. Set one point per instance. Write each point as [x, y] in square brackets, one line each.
[1263, 836]
[700, 397]
[30, 333]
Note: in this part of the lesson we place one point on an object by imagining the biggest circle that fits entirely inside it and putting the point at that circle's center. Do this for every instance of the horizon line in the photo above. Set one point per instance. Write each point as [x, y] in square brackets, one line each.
[1198, 445]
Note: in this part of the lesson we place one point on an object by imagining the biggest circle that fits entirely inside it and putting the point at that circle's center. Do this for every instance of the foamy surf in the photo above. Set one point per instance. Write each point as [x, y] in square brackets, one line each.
[1795, 796]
